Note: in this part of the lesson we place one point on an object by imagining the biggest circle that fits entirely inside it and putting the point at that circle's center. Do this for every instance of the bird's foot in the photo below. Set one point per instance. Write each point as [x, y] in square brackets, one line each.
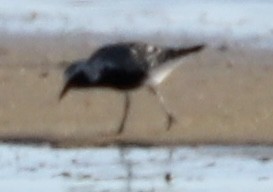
[120, 129]
[170, 121]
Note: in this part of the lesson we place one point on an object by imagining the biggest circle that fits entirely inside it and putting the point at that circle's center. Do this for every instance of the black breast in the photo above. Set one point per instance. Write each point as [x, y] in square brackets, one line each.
[119, 67]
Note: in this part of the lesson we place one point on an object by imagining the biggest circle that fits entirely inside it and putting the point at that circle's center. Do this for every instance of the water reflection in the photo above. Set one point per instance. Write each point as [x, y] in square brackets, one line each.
[134, 169]
[137, 172]
[127, 164]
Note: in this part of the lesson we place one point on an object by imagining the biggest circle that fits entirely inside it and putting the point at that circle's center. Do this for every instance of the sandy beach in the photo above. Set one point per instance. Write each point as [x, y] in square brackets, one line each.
[222, 98]
[222, 95]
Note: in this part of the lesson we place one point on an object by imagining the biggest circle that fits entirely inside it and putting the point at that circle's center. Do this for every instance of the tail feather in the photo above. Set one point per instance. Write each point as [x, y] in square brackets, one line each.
[174, 53]
[162, 70]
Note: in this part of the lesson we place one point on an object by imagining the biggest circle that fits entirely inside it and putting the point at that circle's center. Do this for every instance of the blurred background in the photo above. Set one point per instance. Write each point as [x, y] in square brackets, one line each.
[222, 98]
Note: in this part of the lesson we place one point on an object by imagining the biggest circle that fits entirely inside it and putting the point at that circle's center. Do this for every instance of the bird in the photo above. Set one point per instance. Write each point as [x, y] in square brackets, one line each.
[124, 67]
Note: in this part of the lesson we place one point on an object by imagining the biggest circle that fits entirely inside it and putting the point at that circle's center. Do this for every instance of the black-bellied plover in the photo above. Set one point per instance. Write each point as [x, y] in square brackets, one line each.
[126, 66]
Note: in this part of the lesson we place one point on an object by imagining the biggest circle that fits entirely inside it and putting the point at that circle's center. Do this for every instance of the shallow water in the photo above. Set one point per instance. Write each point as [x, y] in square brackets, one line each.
[204, 168]
[203, 19]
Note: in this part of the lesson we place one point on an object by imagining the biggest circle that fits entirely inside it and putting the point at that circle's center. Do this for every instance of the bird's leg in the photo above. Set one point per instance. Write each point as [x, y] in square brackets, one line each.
[125, 113]
[170, 118]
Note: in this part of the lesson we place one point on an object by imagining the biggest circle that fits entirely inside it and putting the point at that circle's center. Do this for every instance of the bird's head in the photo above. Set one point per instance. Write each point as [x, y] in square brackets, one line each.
[77, 75]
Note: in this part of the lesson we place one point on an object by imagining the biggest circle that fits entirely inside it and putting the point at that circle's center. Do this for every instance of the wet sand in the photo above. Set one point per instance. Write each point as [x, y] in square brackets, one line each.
[222, 95]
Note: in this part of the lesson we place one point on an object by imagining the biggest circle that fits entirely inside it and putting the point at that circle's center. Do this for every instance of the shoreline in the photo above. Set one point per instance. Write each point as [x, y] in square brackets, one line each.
[220, 96]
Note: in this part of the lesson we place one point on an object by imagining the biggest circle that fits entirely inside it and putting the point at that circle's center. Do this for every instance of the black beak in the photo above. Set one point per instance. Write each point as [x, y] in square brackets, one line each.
[73, 77]
[64, 90]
